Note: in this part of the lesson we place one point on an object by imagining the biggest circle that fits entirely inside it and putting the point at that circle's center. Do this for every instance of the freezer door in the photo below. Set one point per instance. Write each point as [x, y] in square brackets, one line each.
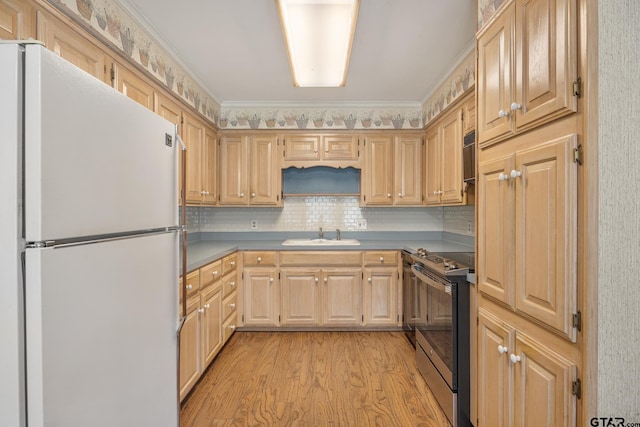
[96, 162]
[101, 322]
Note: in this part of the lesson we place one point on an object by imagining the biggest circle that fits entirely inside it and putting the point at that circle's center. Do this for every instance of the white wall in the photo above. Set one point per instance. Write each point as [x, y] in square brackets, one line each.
[619, 210]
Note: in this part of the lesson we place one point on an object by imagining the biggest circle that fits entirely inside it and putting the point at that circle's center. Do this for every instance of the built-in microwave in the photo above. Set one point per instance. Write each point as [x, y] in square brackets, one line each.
[469, 157]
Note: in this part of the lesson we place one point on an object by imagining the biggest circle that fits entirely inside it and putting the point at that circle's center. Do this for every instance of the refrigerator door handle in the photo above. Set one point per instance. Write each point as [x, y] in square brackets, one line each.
[88, 240]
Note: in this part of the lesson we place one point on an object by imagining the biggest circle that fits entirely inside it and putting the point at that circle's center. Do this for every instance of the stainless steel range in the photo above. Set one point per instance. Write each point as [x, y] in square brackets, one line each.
[442, 329]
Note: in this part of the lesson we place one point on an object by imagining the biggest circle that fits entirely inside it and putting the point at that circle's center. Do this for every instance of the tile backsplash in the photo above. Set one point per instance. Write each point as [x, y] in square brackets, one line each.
[343, 212]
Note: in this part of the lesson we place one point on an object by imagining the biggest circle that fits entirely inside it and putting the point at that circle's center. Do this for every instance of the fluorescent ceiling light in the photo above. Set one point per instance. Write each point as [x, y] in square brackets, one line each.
[318, 35]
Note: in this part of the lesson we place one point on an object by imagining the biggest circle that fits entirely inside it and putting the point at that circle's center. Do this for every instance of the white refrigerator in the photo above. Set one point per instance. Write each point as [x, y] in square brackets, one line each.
[88, 250]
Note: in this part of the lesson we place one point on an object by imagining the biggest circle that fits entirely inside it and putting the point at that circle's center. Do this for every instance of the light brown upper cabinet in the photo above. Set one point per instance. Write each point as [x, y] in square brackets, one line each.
[527, 66]
[17, 20]
[527, 237]
[168, 109]
[249, 170]
[133, 86]
[443, 174]
[307, 150]
[67, 43]
[469, 116]
[392, 170]
[201, 161]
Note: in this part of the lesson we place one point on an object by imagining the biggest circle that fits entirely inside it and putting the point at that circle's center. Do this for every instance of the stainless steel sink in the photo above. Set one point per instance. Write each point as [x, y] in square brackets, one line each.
[321, 242]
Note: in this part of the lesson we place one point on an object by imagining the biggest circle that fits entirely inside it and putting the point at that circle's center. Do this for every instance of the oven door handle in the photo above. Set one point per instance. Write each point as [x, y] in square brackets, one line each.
[446, 288]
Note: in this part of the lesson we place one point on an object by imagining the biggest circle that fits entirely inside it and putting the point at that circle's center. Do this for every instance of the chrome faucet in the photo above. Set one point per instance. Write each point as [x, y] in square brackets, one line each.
[337, 234]
[321, 234]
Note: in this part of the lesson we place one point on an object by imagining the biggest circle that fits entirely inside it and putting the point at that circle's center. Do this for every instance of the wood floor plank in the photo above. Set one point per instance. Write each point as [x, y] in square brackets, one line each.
[313, 379]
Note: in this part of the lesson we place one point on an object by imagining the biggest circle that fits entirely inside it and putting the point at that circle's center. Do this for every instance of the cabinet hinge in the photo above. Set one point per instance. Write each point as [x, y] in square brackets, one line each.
[243, 275]
[243, 318]
[284, 141]
[398, 318]
[278, 275]
[398, 275]
[181, 119]
[577, 320]
[277, 197]
[279, 319]
[113, 75]
[576, 388]
[362, 317]
[365, 198]
[577, 87]
[577, 155]
[362, 273]
[218, 197]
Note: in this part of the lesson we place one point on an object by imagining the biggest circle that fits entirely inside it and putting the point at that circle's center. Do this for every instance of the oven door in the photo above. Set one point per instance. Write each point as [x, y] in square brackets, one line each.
[436, 331]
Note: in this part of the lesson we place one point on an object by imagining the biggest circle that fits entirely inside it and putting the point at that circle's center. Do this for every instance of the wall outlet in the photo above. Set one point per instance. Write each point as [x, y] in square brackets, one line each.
[254, 224]
[362, 224]
[469, 227]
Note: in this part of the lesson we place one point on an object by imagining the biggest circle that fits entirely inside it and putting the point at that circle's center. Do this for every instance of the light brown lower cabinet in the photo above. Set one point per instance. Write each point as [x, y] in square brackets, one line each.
[521, 382]
[380, 296]
[342, 296]
[190, 355]
[261, 296]
[211, 312]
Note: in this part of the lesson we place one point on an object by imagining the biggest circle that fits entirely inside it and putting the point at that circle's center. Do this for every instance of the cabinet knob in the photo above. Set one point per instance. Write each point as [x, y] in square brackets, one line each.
[503, 113]
[502, 349]
[215, 273]
[232, 327]
[201, 310]
[232, 283]
[514, 358]
[207, 306]
[202, 193]
[241, 194]
[369, 280]
[400, 195]
[259, 259]
[253, 194]
[232, 263]
[271, 279]
[316, 280]
[189, 287]
[515, 106]
[381, 259]
[503, 177]
[326, 280]
[515, 173]
[232, 305]
[389, 195]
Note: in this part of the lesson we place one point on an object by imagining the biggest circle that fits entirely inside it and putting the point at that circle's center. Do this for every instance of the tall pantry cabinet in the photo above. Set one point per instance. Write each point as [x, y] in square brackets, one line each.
[528, 327]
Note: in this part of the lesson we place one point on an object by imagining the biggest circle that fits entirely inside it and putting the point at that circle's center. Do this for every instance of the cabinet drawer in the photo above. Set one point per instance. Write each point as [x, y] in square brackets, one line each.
[210, 273]
[229, 305]
[259, 258]
[192, 304]
[321, 258]
[229, 263]
[229, 284]
[387, 258]
[229, 326]
[193, 283]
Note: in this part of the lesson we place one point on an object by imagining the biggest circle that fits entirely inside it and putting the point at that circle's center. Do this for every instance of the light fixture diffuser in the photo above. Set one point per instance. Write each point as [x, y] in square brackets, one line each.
[318, 35]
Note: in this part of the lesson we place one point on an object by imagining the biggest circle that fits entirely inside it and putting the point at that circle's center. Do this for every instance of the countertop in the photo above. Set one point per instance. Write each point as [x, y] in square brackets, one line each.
[208, 247]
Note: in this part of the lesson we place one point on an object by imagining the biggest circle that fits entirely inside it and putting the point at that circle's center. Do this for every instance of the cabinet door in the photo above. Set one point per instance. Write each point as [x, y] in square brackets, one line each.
[265, 172]
[451, 171]
[209, 167]
[302, 147]
[546, 233]
[546, 60]
[194, 140]
[469, 116]
[495, 51]
[211, 309]
[261, 296]
[542, 386]
[134, 87]
[340, 147]
[433, 165]
[380, 296]
[378, 177]
[190, 355]
[408, 170]
[300, 296]
[71, 46]
[495, 229]
[233, 155]
[17, 20]
[341, 296]
[495, 376]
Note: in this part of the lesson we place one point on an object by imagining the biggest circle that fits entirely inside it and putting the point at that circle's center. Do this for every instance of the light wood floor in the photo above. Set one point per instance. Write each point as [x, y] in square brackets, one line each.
[313, 379]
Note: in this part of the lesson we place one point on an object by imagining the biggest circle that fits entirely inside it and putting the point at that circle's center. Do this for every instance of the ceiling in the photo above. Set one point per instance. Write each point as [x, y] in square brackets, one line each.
[402, 48]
